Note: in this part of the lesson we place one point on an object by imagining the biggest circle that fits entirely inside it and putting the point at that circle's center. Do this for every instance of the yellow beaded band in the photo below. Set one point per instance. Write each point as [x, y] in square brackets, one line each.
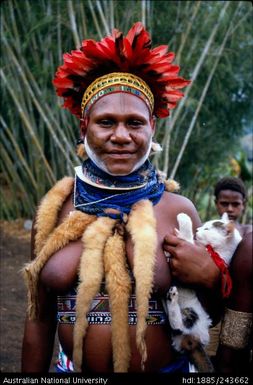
[117, 82]
[236, 329]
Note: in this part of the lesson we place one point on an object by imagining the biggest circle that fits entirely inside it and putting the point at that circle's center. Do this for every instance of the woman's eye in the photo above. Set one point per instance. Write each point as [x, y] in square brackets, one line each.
[134, 123]
[106, 123]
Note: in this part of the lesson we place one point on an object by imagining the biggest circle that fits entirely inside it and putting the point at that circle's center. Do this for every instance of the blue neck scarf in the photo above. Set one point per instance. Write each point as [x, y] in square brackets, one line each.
[111, 192]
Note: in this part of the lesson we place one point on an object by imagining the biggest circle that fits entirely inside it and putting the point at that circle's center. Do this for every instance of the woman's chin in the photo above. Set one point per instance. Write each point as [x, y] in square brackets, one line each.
[119, 168]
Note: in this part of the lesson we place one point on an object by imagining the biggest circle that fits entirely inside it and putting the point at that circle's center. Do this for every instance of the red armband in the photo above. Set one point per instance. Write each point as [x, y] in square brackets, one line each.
[226, 281]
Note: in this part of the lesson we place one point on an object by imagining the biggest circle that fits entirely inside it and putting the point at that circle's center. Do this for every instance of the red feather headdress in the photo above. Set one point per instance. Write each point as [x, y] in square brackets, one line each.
[116, 53]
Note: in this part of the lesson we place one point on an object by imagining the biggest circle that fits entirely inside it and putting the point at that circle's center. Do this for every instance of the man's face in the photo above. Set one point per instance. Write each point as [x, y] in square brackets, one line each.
[230, 202]
[119, 130]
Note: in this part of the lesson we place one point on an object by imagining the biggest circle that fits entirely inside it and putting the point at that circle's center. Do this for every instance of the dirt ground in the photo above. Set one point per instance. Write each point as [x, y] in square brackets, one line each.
[14, 253]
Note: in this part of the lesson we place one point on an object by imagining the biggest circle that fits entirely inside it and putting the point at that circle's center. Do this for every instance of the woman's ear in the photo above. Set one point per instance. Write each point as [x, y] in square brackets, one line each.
[153, 123]
[80, 150]
[83, 126]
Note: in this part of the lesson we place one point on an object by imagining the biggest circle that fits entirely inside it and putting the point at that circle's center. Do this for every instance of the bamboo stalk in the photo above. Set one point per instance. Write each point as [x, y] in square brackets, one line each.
[143, 12]
[84, 20]
[94, 17]
[196, 72]
[185, 34]
[102, 16]
[25, 120]
[73, 24]
[203, 95]
[17, 183]
[38, 104]
[19, 153]
[111, 12]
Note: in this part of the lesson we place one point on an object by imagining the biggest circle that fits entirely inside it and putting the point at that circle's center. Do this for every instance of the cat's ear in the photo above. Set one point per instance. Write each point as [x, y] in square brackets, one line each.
[230, 227]
[225, 218]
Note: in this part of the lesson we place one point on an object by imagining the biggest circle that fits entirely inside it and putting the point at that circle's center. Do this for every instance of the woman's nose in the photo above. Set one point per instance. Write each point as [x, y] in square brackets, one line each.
[121, 134]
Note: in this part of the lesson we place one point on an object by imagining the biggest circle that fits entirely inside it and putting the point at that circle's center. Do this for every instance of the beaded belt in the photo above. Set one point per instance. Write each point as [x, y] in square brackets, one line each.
[100, 310]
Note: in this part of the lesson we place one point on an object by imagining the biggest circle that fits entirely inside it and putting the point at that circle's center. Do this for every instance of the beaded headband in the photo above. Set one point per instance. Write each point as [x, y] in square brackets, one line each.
[117, 82]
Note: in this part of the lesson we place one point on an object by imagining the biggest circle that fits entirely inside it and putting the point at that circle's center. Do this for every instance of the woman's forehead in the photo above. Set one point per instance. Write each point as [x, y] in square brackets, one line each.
[122, 103]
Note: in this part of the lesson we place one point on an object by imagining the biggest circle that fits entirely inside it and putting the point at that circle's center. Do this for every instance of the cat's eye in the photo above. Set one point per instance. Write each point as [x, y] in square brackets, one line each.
[218, 224]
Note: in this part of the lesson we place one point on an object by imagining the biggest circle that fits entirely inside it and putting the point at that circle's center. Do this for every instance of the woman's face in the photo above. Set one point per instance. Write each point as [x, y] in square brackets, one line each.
[119, 131]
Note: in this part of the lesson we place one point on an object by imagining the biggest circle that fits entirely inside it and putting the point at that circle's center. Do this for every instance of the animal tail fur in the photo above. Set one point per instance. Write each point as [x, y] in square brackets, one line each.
[69, 230]
[49, 207]
[197, 354]
[142, 227]
[90, 276]
[118, 284]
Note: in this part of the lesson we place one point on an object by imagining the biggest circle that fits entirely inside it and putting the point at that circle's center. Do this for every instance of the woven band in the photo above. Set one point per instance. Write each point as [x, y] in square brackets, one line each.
[236, 329]
[117, 82]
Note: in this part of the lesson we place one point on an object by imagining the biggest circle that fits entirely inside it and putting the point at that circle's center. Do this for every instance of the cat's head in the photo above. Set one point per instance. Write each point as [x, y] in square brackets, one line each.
[216, 232]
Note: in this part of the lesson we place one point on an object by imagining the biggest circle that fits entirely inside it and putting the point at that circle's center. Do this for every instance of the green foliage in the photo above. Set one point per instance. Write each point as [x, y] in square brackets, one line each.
[38, 136]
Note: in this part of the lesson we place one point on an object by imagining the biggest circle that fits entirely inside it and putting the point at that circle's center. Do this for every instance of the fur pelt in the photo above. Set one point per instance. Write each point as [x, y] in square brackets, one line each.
[142, 227]
[104, 250]
[70, 229]
[90, 277]
[171, 185]
[49, 207]
[118, 285]
[80, 150]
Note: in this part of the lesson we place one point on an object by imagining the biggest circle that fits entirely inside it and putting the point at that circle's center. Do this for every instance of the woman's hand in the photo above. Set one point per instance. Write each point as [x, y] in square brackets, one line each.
[191, 263]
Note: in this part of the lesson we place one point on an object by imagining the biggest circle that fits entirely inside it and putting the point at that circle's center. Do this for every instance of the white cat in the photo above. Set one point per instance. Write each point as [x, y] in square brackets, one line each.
[186, 314]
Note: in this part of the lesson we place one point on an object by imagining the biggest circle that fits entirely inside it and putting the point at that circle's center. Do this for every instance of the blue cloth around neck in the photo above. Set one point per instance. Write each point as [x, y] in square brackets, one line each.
[94, 200]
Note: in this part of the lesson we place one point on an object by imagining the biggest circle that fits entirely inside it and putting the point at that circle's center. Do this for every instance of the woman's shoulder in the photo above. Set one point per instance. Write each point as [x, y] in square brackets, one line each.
[179, 202]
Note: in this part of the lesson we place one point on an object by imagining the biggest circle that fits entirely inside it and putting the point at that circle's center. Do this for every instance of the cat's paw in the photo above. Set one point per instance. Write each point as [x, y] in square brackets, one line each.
[185, 227]
[177, 232]
[172, 294]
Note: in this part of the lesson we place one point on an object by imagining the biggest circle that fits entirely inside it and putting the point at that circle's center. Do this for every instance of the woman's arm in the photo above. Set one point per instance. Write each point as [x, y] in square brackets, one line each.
[193, 265]
[190, 263]
[38, 341]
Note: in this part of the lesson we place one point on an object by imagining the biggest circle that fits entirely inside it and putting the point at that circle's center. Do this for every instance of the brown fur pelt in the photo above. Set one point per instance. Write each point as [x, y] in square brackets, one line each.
[118, 284]
[142, 227]
[48, 210]
[197, 354]
[70, 229]
[80, 150]
[90, 276]
[171, 185]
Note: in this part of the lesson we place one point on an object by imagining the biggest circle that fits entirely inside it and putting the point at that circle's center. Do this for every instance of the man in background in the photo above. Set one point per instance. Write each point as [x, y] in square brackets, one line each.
[231, 197]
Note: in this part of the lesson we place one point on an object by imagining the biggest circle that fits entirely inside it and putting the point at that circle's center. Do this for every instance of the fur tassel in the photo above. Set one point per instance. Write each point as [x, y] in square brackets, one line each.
[142, 227]
[48, 210]
[69, 230]
[80, 151]
[118, 284]
[90, 276]
[171, 185]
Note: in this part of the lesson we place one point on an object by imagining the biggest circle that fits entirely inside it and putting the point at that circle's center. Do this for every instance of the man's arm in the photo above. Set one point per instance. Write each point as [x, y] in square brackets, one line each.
[233, 352]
